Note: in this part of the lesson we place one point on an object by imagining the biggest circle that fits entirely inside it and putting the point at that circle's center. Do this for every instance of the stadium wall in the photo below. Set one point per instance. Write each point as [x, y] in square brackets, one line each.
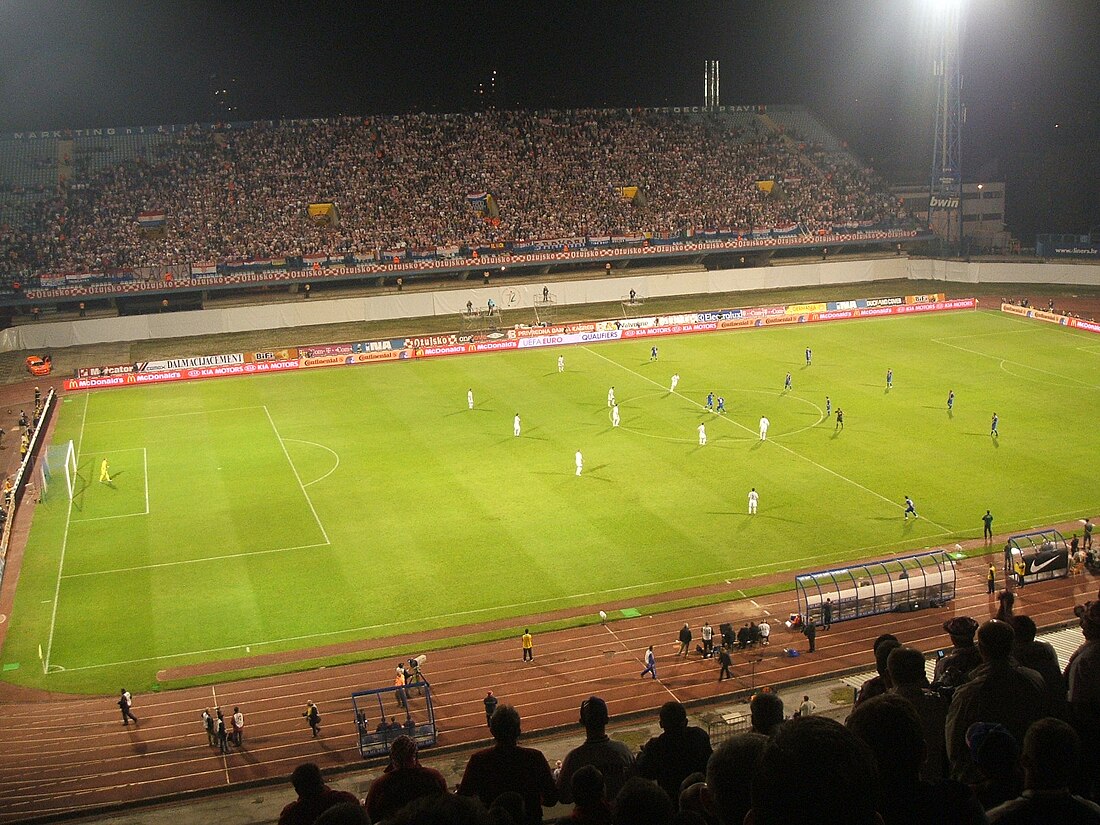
[983, 272]
[516, 294]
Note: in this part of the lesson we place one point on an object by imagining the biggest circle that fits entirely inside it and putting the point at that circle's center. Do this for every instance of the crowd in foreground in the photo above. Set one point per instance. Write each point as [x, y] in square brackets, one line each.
[406, 182]
[1001, 735]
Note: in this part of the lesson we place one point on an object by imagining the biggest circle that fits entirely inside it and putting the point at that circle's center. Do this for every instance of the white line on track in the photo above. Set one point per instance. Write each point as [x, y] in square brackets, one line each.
[783, 447]
[225, 762]
[309, 501]
[64, 544]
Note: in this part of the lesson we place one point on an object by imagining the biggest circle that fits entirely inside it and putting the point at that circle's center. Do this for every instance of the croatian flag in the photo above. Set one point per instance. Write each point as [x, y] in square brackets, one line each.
[201, 268]
[153, 219]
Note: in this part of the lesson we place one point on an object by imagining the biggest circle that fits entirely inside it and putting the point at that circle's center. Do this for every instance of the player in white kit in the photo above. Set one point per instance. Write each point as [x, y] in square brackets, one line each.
[611, 397]
[615, 416]
[675, 381]
[516, 426]
[753, 499]
[702, 434]
[470, 398]
[580, 462]
[764, 424]
[561, 363]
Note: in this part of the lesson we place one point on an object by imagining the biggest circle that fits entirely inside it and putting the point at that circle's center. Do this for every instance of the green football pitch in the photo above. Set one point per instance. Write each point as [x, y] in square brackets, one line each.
[293, 511]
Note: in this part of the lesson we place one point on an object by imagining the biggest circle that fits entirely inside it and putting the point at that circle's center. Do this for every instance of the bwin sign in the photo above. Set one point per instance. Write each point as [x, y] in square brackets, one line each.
[943, 203]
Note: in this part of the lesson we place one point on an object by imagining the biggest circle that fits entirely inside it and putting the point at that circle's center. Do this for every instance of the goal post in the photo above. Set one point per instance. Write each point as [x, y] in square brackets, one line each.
[58, 467]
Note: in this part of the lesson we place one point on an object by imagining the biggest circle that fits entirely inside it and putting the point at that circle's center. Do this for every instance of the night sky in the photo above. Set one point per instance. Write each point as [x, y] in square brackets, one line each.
[1031, 71]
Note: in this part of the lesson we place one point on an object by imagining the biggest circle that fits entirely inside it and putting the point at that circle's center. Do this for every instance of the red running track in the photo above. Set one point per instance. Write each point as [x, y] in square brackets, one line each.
[66, 755]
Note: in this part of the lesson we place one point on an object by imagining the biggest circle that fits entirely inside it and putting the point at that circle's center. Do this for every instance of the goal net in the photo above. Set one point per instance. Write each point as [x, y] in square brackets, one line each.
[57, 468]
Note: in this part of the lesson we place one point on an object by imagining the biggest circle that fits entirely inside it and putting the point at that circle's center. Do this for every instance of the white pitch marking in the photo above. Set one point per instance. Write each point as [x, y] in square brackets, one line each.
[64, 544]
[335, 455]
[180, 562]
[294, 469]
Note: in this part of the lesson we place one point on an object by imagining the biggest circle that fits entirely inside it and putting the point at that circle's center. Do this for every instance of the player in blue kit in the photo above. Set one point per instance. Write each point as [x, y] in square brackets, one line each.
[809, 356]
[653, 354]
[710, 401]
[828, 407]
[721, 405]
[889, 379]
[950, 400]
[993, 427]
[787, 382]
[909, 508]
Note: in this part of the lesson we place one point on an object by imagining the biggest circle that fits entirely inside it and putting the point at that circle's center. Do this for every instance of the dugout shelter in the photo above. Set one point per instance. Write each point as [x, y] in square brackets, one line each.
[1045, 554]
[380, 717]
[890, 586]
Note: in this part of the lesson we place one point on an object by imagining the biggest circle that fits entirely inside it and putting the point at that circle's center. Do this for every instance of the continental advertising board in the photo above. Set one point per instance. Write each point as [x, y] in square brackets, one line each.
[1051, 317]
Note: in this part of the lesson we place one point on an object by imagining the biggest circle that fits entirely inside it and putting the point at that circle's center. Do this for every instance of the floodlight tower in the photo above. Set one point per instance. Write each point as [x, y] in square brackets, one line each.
[945, 214]
[710, 84]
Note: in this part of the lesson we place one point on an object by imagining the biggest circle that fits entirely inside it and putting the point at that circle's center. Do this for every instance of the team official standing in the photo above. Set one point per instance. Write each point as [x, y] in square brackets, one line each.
[528, 642]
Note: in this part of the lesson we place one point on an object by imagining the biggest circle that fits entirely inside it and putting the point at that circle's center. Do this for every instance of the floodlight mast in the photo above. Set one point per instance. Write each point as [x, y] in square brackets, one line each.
[711, 95]
[945, 212]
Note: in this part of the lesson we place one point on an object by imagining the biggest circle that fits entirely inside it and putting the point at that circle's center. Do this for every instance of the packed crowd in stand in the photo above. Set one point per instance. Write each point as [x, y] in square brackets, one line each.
[1000, 735]
[402, 182]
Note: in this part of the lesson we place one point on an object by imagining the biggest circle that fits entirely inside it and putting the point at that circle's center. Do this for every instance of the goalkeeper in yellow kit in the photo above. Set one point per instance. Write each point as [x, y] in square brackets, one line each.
[104, 473]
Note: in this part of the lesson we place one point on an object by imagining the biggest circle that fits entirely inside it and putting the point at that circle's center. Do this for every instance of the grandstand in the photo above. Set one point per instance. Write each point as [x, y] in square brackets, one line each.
[518, 182]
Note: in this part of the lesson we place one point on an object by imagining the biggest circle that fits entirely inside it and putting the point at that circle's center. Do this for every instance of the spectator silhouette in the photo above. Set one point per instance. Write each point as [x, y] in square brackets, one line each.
[346, 813]
[1052, 752]
[996, 755]
[959, 662]
[448, 809]
[729, 774]
[1083, 694]
[590, 805]
[403, 780]
[1040, 657]
[680, 750]
[508, 809]
[998, 691]
[890, 727]
[907, 674]
[880, 682]
[766, 712]
[613, 759]
[815, 769]
[642, 802]
[506, 766]
[314, 796]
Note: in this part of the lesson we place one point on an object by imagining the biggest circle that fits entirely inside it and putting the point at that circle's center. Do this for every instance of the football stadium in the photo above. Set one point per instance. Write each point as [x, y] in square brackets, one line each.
[684, 416]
